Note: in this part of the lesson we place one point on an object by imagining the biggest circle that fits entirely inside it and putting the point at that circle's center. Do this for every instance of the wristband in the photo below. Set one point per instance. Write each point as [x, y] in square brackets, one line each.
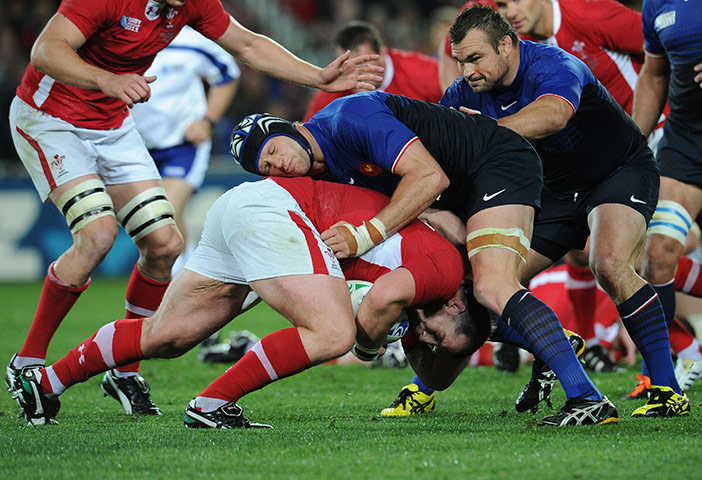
[365, 354]
[364, 237]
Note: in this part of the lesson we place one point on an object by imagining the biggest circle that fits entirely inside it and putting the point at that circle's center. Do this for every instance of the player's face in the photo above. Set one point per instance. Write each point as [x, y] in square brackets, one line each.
[482, 67]
[282, 156]
[365, 48]
[438, 330]
[523, 15]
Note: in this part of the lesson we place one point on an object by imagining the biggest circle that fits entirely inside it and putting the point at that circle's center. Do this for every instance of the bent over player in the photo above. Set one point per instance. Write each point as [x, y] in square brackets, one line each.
[410, 149]
[72, 130]
[261, 236]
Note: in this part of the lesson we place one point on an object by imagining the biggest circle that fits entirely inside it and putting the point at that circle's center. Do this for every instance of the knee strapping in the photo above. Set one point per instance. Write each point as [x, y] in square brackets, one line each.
[85, 203]
[671, 220]
[145, 213]
[512, 239]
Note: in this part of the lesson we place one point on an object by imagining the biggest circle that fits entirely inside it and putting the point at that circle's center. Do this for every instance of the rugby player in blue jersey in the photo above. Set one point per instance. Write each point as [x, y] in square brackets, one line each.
[422, 153]
[673, 45]
[600, 177]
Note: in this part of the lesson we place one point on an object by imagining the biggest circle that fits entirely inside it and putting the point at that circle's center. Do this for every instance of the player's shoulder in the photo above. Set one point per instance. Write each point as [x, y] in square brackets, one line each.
[409, 57]
[542, 59]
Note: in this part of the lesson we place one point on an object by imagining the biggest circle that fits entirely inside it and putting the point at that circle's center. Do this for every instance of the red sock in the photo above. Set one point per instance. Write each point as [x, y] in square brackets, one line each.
[113, 344]
[275, 356]
[680, 337]
[57, 299]
[582, 291]
[688, 278]
[141, 300]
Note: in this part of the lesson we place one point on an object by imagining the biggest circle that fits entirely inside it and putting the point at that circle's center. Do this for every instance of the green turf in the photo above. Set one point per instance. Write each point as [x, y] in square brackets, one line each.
[326, 422]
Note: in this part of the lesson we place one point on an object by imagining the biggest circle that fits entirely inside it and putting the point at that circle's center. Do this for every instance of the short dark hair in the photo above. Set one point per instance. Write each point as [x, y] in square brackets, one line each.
[483, 18]
[474, 323]
[357, 32]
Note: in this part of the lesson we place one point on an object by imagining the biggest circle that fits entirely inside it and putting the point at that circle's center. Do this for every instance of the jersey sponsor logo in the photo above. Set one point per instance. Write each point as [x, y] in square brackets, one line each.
[153, 9]
[664, 20]
[370, 169]
[487, 198]
[130, 23]
[578, 46]
[506, 107]
[633, 199]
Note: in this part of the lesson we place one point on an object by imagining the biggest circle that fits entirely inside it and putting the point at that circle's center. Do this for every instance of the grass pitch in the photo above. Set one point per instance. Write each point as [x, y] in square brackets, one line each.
[327, 423]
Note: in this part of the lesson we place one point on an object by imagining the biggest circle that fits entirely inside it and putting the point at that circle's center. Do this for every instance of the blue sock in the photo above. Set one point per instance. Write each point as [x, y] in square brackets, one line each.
[644, 319]
[540, 327]
[666, 294]
[506, 334]
[422, 388]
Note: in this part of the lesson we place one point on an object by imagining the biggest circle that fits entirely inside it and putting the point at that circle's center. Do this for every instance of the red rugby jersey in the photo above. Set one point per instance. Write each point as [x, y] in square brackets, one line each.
[410, 74]
[122, 36]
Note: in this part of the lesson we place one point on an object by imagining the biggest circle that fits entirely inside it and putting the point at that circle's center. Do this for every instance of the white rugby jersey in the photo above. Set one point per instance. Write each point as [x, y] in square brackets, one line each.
[178, 95]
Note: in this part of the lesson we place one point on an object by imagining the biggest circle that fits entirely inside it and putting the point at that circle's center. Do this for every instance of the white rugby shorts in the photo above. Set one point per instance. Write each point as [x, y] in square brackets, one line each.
[54, 151]
[256, 231]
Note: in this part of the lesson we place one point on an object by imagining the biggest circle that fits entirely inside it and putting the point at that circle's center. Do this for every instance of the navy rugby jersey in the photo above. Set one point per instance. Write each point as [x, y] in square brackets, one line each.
[596, 140]
[673, 28]
[362, 137]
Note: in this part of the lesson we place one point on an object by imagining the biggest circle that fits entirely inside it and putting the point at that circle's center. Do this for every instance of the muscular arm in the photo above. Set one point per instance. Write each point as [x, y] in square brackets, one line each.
[266, 55]
[650, 93]
[382, 306]
[541, 118]
[54, 53]
[422, 180]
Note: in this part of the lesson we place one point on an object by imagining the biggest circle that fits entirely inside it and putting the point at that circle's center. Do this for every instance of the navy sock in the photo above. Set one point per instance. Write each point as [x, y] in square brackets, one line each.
[539, 326]
[422, 388]
[506, 334]
[666, 295]
[644, 319]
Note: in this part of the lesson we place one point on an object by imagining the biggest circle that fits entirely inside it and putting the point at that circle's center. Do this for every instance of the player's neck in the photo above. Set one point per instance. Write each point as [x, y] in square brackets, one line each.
[319, 165]
[543, 29]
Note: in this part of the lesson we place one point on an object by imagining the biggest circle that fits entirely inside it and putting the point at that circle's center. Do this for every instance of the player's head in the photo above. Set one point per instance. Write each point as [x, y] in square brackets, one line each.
[483, 42]
[361, 38]
[523, 15]
[457, 328]
[268, 145]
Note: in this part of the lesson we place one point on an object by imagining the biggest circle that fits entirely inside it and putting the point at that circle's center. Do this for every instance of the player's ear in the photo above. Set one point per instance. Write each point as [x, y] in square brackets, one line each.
[504, 46]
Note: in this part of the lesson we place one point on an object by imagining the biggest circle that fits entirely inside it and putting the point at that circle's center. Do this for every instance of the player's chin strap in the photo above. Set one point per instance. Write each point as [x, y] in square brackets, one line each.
[509, 238]
[362, 238]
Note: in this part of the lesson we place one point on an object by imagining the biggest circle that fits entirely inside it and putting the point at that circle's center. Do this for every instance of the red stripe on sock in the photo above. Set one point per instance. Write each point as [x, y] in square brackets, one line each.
[284, 351]
[55, 302]
[146, 294]
[86, 360]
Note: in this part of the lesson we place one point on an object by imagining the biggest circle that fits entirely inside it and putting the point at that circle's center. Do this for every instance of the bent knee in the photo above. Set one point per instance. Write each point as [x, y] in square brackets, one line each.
[96, 238]
[162, 245]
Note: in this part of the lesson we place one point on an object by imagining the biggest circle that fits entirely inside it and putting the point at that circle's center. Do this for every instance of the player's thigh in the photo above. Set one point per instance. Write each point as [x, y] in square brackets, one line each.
[53, 151]
[320, 303]
[498, 247]
[617, 232]
[193, 308]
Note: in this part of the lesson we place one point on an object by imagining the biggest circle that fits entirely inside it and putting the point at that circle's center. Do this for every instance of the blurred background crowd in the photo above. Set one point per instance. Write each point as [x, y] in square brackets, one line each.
[306, 27]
